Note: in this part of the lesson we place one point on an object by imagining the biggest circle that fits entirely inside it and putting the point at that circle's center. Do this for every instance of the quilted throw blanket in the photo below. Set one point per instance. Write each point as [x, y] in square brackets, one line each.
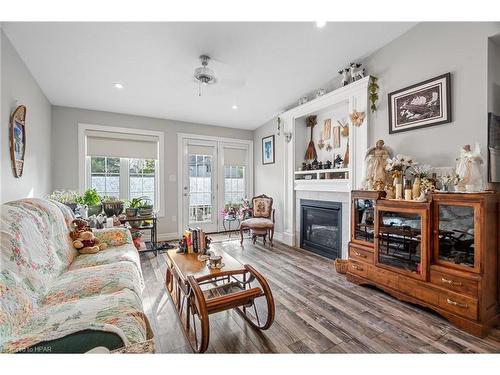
[48, 291]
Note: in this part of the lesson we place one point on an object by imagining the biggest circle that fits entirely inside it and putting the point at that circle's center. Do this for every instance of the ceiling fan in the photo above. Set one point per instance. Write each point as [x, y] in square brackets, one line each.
[227, 77]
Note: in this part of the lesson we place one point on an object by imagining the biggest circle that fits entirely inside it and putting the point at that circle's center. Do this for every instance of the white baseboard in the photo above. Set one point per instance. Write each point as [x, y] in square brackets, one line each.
[168, 236]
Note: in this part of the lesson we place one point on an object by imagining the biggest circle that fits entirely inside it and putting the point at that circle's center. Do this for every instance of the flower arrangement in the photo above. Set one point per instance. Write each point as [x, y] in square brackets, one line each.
[398, 165]
[421, 171]
[64, 196]
[229, 210]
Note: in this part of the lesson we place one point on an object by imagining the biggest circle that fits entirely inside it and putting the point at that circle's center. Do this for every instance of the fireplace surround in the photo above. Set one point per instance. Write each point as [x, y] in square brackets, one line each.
[321, 227]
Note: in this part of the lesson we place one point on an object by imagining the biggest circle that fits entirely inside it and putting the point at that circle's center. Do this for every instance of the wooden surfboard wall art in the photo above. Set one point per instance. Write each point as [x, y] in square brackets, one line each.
[18, 140]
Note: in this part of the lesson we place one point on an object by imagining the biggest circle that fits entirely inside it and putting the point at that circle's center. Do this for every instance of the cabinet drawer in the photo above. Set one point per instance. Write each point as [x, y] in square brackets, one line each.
[360, 254]
[418, 290]
[357, 268]
[383, 277]
[460, 305]
[455, 283]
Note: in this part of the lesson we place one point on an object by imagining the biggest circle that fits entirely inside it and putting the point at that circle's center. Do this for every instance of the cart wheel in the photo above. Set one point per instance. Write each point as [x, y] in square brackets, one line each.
[196, 323]
[259, 313]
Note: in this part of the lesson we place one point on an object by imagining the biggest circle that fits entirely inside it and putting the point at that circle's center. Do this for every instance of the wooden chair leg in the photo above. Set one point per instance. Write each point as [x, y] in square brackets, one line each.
[241, 235]
[271, 237]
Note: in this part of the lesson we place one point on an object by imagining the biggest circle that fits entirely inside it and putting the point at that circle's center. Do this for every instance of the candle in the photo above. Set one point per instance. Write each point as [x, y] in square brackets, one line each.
[109, 222]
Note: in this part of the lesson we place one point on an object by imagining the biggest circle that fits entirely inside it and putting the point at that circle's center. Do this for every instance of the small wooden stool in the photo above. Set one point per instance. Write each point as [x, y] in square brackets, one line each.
[259, 233]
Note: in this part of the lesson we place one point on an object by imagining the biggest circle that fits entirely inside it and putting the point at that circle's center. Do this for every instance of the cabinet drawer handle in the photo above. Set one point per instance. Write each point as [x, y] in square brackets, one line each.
[356, 267]
[359, 254]
[454, 303]
[450, 282]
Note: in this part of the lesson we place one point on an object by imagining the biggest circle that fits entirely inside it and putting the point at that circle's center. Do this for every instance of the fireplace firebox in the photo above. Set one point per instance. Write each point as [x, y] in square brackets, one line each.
[321, 227]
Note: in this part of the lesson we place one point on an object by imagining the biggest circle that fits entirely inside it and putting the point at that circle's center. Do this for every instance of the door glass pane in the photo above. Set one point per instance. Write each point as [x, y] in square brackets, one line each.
[364, 211]
[456, 234]
[400, 240]
[234, 184]
[200, 188]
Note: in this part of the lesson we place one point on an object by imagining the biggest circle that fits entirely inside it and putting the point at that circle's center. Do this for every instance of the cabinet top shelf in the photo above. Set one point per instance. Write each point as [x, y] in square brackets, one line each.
[323, 171]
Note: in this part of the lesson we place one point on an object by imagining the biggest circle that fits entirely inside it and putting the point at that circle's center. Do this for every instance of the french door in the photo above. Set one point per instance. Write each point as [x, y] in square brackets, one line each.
[215, 174]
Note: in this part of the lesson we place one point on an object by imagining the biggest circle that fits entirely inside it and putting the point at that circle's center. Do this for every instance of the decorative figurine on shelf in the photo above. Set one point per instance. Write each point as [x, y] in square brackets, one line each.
[345, 76]
[320, 165]
[304, 166]
[315, 164]
[321, 144]
[328, 164]
[389, 191]
[376, 161]
[337, 162]
[311, 150]
[356, 71]
[469, 170]
[357, 118]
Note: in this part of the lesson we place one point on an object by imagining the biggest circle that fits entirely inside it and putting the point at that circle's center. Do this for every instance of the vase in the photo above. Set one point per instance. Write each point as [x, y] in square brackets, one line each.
[416, 188]
[398, 183]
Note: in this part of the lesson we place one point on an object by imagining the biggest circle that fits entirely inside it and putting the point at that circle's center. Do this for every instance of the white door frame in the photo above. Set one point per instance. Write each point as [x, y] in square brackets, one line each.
[228, 142]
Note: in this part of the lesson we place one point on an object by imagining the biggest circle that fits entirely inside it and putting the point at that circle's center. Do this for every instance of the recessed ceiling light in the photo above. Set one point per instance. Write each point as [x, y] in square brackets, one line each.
[234, 107]
[118, 85]
[320, 24]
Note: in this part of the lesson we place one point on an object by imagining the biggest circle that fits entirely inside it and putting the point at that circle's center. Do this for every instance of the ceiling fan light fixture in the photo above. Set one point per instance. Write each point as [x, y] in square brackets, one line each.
[204, 75]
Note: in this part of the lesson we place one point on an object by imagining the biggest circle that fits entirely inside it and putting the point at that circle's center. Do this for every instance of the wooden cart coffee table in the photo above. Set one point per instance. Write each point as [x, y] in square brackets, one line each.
[198, 291]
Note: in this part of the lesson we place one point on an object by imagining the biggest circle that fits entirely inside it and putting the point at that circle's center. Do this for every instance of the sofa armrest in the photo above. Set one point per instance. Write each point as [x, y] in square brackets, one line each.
[113, 236]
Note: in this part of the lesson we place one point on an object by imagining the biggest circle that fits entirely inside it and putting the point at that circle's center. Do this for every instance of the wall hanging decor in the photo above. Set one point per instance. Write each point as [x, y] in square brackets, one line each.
[311, 150]
[357, 118]
[327, 128]
[344, 132]
[18, 140]
[373, 93]
[268, 150]
[424, 104]
[336, 137]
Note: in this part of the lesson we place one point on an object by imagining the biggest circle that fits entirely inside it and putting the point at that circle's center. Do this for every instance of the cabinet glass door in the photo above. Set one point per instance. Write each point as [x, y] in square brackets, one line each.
[364, 219]
[400, 241]
[456, 235]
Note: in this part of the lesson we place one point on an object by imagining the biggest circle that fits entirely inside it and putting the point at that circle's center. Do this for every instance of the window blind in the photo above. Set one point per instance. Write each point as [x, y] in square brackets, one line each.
[201, 150]
[235, 156]
[122, 145]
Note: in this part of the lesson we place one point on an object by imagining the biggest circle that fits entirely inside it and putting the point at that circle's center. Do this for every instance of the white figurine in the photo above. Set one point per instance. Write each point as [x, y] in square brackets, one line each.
[345, 76]
[83, 211]
[356, 71]
[469, 170]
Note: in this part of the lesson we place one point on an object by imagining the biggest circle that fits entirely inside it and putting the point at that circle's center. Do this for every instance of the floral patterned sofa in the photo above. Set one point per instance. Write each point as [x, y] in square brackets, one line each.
[49, 293]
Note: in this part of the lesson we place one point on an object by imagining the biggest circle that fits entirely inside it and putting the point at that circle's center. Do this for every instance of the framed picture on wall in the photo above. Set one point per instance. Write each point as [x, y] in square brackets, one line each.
[18, 139]
[268, 150]
[424, 104]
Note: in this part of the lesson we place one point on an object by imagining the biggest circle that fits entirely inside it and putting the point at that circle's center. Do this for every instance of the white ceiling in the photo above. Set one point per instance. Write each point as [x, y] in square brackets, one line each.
[268, 65]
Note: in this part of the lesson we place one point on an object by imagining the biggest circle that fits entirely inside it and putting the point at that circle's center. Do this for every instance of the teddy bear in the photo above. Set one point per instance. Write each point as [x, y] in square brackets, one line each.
[87, 243]
[78, 226]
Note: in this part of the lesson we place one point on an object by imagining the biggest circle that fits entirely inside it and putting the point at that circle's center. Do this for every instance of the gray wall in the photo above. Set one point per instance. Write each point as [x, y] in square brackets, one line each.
[269, 179]
[425, 51]
[65, 156]
[19, 87]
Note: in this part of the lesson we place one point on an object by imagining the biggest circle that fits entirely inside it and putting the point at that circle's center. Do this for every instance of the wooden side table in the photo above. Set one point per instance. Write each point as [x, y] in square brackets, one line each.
[198, 291]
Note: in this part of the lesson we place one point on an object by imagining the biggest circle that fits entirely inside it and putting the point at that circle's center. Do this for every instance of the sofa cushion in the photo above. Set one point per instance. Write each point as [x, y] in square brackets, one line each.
[120, 313]
[257, 223]
[114, 236]
[86, 282]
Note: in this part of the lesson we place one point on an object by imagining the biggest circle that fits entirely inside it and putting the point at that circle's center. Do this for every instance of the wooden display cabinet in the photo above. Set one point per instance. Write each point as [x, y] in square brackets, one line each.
[363, 216]
[441, 254]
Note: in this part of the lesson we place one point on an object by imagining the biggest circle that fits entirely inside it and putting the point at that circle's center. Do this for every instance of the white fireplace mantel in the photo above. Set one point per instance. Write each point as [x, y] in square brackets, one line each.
[355, 97]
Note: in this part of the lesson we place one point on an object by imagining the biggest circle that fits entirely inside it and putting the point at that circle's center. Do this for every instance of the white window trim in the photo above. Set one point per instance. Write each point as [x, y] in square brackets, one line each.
[226, 142]
[83, 166]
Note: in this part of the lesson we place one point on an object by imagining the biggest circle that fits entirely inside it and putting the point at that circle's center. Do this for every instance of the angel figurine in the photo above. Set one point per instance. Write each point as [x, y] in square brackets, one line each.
[376, 160]
[469, 171]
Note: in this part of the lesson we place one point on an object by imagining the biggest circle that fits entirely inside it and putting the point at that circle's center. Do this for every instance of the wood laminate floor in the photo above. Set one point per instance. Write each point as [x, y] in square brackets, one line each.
[317, 311]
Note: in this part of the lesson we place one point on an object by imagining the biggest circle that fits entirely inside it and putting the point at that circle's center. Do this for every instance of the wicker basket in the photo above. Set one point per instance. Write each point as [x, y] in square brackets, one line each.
[341, 265]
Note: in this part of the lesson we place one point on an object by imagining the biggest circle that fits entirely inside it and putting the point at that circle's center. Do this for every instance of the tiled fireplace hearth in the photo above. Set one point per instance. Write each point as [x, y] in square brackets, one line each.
[321, 227]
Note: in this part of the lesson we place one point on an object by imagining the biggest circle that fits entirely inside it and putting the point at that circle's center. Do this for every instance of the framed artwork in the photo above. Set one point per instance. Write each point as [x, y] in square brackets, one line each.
[493, 148]
[268, 150]
[336, 137]
[327, 128]
[17, 140]
[425, 104]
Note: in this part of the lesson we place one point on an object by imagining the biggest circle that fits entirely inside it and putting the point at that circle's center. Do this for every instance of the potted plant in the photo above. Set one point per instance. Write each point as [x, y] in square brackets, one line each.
[132, 207]
[136, 238]
[92, 200]
[146, 208]
[112, 206]
[67, 197]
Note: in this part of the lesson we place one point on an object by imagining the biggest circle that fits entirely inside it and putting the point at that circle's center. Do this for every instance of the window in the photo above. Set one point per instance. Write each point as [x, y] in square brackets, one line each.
[124, 178]
[200, 188]
[142, 178]
[234, 183]
[105, 176]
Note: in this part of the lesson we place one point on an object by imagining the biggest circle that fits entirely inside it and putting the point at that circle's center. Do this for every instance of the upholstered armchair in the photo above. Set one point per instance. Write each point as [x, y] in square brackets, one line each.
[262, 221]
